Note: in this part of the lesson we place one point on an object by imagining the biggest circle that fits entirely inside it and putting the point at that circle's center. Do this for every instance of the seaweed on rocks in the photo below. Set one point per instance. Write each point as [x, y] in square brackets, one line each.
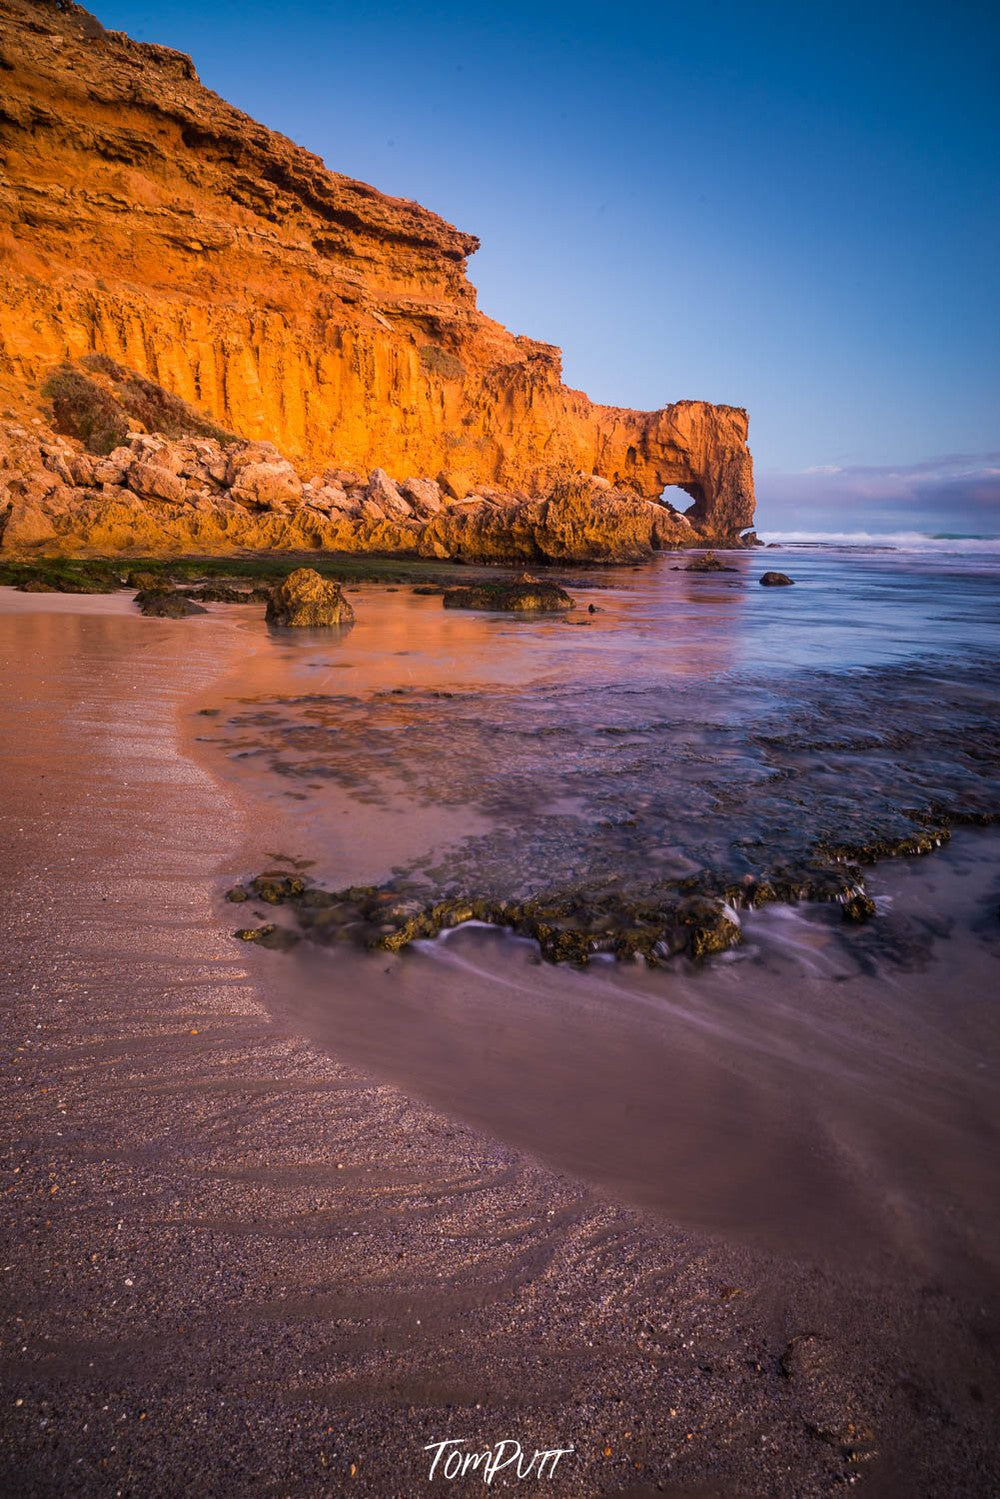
[698, 917]
[164, 603]
[523, 594]
[567, 928]
[709, 563]
[276, 938]
[570, 926]
[631, 822]
[62, 575]
[227, 593]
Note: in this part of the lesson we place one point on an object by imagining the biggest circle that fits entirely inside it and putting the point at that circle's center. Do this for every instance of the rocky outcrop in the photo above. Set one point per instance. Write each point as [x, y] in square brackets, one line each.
[709, 563]
[145, 221]
[523, 595]
[304, 600]
[163, 603]
[157, 496]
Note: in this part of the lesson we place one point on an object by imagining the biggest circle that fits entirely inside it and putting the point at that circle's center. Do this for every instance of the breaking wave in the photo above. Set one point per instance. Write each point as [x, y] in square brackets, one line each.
[895, 541]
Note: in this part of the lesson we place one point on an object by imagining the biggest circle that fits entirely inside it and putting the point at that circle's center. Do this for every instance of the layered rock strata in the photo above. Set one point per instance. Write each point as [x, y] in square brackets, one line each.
[154, 496]
[144, 219]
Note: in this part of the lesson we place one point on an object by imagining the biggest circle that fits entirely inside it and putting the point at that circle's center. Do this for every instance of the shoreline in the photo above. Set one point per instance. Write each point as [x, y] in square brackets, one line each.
[189, 1297]
[388, 905]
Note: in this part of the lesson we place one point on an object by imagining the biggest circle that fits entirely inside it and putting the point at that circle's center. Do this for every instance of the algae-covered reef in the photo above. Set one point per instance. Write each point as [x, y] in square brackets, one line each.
[607, 824]
[571, 927]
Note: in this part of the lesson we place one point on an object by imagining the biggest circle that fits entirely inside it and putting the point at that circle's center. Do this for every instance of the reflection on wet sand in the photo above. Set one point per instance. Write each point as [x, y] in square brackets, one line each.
[823, 1088]
[806, 1094]
[249, 1233]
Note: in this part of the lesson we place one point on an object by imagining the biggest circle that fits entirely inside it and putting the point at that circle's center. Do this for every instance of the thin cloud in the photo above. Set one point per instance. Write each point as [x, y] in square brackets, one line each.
[953, 492]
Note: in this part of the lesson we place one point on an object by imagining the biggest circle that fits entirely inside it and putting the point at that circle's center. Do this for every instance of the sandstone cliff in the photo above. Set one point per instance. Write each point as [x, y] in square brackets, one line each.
[201, 495]
[144, 219]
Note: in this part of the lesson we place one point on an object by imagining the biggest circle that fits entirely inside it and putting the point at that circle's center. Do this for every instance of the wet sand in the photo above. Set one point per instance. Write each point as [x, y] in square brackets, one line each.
[794, 1094]
[241, 1258]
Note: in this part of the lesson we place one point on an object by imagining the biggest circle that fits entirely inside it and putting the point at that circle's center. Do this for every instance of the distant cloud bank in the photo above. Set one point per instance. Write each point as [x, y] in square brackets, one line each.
[956, 493]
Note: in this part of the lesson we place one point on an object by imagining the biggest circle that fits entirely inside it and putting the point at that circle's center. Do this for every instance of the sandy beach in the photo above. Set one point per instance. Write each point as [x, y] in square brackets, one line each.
[499, 751]
[235, 1262]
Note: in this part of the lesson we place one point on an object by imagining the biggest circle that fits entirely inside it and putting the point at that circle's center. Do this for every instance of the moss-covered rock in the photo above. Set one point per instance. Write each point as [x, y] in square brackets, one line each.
[61, 575]
[278, 938]
[226, 593]
[857, 905]
[148, 582]
[275, 889]
[161, 603]
[709, 563]
[304, 600]
[526, 593]
[708, 926]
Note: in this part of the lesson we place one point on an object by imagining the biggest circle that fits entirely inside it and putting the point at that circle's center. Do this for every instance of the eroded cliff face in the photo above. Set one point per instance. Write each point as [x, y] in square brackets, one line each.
[197, 494]
[143, 218]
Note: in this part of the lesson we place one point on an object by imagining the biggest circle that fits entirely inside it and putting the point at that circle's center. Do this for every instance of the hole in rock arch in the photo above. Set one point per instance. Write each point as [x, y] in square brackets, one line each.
[689, 499]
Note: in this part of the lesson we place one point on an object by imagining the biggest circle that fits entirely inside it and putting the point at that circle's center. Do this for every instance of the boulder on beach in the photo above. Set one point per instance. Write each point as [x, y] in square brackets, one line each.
[228, 593]
[163, 603]
[707, 564]
[304, 600]
[776, 580]
[522, 594]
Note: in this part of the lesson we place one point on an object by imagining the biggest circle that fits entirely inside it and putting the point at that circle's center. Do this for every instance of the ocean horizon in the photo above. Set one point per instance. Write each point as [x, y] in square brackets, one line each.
[500, 796]
[899, 541]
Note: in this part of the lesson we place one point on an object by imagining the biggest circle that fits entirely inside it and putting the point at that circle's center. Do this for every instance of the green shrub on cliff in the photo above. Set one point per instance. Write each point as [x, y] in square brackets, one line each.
[103, 405]
[147, 403]
[85, 410]
[438, 361]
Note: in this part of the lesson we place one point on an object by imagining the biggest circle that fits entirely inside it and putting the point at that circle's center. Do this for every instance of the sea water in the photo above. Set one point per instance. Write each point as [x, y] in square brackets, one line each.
[827, 1085]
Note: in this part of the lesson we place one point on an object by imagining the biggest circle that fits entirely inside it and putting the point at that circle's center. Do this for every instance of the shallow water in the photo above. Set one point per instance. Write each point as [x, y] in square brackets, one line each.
[303, 1251]
[801, 1091]
[827, 1087]
[696, 728]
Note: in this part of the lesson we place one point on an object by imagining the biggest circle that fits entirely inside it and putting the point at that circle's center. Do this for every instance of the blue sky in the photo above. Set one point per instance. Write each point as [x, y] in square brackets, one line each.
[786, 207]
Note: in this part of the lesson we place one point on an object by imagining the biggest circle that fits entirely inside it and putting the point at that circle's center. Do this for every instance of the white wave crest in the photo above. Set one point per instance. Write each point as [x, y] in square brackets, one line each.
[897, 541]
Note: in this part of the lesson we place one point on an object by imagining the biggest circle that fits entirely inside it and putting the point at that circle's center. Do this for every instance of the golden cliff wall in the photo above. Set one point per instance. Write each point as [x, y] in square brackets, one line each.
[143, 217]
